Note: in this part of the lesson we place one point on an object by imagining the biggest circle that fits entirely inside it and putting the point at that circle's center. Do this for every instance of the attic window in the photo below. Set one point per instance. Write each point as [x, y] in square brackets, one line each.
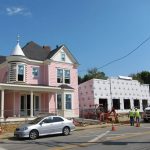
[62, 56]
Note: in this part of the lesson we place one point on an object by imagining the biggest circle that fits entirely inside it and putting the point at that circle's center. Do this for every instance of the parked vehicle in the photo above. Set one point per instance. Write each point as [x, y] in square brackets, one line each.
[45, 125]
[146, 114]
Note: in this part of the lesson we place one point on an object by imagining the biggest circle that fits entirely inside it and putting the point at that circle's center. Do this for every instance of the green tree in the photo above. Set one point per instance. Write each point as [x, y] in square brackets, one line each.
[142, 77]
[93, 73]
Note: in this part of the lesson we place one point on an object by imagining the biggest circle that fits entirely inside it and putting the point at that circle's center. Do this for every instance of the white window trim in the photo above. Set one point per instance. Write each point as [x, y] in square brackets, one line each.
[63, 54]
[71, 101]
[23, 72]
[64, 76]
[37, 67]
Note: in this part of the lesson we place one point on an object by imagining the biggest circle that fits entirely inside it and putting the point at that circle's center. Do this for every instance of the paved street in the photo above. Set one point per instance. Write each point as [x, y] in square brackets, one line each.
[124, 137]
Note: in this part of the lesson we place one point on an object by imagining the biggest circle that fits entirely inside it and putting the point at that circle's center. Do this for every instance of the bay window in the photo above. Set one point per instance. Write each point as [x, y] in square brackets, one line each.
[20, 72]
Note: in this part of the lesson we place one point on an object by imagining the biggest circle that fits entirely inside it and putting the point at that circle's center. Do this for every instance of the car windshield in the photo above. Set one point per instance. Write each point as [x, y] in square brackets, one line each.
[36, 120]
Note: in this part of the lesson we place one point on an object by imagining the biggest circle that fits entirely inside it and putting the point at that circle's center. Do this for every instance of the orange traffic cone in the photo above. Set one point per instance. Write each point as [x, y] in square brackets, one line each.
[137, 124]
[113, 128]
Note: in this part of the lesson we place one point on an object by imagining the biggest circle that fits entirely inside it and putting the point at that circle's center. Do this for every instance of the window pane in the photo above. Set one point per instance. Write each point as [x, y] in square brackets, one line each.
[67, 76]
[35, 71]
[59, 102]
[59, 75]
[63, 56]
[20, 72]
[36, 103]
[68, 101]
[20, 69]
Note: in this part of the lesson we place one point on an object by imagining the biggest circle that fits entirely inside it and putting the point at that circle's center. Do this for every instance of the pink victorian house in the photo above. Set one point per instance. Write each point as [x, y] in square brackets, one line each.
[35, 79]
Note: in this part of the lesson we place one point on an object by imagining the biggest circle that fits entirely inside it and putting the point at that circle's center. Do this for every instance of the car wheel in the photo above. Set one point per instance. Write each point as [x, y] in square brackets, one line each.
[66, 131]
[33, 134]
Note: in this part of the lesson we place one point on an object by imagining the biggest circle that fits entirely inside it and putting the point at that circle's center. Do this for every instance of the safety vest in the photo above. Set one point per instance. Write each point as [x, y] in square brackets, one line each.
[131, 114]
[137, 113]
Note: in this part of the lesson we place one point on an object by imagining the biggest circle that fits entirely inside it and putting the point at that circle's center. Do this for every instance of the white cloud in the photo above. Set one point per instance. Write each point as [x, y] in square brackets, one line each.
[17, 11]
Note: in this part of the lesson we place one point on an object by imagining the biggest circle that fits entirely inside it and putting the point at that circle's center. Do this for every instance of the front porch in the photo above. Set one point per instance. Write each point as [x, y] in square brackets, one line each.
[18, 102]
[24, 101]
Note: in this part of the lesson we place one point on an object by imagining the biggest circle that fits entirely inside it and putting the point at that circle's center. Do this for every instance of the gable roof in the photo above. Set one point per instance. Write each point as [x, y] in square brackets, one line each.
[35, 51]
[53, 52]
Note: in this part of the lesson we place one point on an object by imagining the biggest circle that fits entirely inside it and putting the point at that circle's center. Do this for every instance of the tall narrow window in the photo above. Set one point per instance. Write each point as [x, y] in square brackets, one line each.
[62, 56]
[36, 103]
[68, 101]
[67, 76]
[59, 101]
[59, 75]
[20, 72]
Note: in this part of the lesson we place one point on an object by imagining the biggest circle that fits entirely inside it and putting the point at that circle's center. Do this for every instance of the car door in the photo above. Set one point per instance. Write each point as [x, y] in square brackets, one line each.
[58, 124]
[46, 126]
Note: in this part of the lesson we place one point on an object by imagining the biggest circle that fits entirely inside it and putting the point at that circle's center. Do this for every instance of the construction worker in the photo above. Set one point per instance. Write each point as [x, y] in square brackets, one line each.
[137, 117]
[131, 115]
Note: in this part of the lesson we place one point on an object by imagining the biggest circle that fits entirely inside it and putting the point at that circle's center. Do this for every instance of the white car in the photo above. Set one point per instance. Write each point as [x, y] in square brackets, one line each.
[45, 125]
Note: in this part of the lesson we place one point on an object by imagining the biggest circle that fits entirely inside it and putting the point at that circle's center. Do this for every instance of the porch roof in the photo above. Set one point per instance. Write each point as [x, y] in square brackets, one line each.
[27, 87]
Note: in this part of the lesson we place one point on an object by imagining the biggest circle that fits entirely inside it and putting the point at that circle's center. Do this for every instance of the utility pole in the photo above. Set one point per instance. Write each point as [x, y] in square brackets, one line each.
[110, 92]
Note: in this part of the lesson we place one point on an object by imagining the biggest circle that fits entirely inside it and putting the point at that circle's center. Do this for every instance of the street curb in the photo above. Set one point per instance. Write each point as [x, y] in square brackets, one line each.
[78, 128]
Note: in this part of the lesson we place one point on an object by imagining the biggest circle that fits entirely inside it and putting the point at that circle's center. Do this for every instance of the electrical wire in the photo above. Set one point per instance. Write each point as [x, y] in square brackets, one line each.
[120, 58]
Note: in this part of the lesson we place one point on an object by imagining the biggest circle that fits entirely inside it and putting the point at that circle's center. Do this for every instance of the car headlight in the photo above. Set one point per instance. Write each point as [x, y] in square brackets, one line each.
[25, 128]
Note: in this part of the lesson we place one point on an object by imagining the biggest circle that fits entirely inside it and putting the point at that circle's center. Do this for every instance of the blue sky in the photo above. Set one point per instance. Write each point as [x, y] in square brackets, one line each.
[95, 31]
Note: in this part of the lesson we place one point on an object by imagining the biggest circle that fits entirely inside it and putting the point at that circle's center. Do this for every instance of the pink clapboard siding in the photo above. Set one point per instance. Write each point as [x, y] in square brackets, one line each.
[44, 102]
[34, 80]
[12, 104]
[74, 81]
[3, 74]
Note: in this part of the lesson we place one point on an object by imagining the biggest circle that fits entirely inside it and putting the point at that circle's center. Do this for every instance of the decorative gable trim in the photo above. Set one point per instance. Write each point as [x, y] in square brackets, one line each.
[64, 49]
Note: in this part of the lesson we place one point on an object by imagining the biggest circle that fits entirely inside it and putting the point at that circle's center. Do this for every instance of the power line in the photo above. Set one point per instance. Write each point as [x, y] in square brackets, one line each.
[120, 58]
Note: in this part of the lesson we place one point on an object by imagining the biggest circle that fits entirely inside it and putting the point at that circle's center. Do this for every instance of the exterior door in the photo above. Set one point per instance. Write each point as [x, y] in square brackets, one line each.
[36, 105]
[25, 105]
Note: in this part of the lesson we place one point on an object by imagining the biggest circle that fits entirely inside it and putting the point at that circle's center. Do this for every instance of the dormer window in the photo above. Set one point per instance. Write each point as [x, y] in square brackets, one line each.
[62, 56]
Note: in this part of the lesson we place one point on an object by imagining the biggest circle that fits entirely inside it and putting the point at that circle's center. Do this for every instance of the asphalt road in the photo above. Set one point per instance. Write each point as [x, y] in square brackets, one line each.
[124, 137]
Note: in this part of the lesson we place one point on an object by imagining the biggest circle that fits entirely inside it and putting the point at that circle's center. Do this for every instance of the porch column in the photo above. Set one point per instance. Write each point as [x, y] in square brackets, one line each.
[31, 105]
[63, 103]
[14, 105]
[2, 103]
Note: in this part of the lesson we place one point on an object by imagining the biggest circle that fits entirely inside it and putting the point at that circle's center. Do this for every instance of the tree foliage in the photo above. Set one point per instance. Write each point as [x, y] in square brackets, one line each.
[142, 77]
[92, 73]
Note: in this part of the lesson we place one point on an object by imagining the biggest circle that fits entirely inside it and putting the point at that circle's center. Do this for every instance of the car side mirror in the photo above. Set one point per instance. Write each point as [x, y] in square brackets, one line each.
[41, 123]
